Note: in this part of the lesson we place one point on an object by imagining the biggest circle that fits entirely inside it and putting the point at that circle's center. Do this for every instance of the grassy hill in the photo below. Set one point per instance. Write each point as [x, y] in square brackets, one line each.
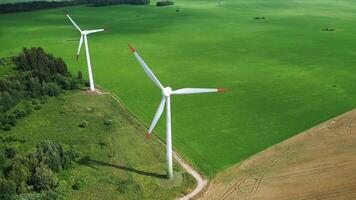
[114, 160]
[284, 74]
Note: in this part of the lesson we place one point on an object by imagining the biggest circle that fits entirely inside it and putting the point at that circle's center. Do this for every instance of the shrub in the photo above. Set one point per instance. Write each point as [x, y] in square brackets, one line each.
[44, 195]
[7, 189]
[108, 122]
[3, 159]
[34, 102]
[28, 111]
[128, 187]
[10, 152]
[38, 107]
[68, 159]
[19, 172]
[7, 127]
[19, 114]
[78, 184]
[12, 120]
[44, 179]
[43, 100]
[83, 124]
[53, 155]
[164, 3]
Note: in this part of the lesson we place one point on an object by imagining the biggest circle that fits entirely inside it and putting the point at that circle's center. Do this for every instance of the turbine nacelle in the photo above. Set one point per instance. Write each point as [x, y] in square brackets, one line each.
[87, 32]
[167, 91]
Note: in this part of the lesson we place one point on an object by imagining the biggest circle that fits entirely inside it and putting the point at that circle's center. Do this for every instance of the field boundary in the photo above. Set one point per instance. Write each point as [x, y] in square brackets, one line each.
[201, 181]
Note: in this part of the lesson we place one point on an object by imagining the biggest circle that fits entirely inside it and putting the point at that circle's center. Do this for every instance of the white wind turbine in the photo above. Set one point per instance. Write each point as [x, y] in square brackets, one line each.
[166, 100]
[84, 34]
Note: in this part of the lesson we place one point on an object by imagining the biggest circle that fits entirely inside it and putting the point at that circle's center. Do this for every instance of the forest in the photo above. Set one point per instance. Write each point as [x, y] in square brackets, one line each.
[38, 5]
[34, 75]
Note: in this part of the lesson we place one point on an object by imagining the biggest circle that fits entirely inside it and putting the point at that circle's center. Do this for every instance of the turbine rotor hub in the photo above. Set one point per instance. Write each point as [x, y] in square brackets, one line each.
[167, 91]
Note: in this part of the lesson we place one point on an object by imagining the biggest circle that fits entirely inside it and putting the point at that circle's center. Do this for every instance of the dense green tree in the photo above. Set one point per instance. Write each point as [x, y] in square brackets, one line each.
[37, 5]
[19, 172]
[10, 151]
[39, 74]
[43, 178]
[7, 189]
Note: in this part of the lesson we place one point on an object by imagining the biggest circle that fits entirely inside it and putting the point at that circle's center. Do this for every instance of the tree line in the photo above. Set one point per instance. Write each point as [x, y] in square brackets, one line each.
[38, 5]
[36, 75]
[34, 176]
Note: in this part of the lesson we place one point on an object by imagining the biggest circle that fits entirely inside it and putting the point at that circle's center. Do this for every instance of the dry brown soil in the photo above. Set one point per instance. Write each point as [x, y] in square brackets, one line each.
[319, 163]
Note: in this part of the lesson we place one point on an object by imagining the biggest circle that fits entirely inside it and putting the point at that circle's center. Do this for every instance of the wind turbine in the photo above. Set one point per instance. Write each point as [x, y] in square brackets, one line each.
[83, 36]
[166, 101]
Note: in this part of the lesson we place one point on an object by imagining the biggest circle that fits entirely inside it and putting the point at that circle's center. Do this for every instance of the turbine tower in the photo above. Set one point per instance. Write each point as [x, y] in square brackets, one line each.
[83, 36]
[166, 101]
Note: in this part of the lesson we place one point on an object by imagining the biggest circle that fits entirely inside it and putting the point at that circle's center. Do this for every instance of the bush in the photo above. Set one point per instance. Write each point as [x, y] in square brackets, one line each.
[164, 3]
[53, 155]
[19, 114]
[34, 102]
[44, 195]
[7, 189]
[28, 111]
[3, 159]
[130, 187]
[83, 124]
[12, 120]
[108, 122]
[77, 185]
[43, 100]
[10, 152]
[38, 107]
[44, 179]
[19, 172]
[7, 127]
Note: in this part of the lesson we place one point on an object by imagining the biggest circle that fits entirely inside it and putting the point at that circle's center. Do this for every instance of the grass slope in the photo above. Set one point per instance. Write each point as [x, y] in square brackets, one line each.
[121, 165]
[284, 73]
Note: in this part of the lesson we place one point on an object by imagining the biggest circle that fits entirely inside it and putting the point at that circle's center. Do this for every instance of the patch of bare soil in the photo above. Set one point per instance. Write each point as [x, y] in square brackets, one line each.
[319, 163]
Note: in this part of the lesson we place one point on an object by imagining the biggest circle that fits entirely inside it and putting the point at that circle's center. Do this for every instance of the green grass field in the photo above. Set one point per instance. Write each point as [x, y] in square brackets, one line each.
[121, 166]
[284, 74]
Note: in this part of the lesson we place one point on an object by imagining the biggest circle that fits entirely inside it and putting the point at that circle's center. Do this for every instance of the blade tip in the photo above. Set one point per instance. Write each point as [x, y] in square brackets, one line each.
[76, 59]
[148, 135]
[132, 48]
[222, 90]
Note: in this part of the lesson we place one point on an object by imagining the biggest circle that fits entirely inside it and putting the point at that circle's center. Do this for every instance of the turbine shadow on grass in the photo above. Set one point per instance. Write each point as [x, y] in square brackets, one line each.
[86, 160]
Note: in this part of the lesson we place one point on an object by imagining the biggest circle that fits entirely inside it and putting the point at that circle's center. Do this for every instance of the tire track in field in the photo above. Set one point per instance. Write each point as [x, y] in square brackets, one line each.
[256, 175]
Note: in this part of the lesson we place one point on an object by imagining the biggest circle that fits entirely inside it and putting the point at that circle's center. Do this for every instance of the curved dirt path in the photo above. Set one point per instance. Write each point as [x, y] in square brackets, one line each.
[201, 182]
[319, 163]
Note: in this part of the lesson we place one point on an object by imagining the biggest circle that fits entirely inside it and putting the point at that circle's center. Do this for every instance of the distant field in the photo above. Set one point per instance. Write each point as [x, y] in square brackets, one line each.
[121, 166]
[284, 74]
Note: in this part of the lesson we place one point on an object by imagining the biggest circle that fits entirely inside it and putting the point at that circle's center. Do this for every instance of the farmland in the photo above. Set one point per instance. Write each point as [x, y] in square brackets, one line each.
[284, 74]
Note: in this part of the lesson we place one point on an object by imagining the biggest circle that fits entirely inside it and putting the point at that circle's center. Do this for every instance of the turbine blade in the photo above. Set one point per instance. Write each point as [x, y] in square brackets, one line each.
[146, 68]
[198, 90]
[76, 26]
[95, 31]
[80, 46]
[156, 117]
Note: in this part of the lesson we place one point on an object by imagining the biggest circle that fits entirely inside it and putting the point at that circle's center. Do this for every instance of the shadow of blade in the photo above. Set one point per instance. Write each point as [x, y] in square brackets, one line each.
[92, 163]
